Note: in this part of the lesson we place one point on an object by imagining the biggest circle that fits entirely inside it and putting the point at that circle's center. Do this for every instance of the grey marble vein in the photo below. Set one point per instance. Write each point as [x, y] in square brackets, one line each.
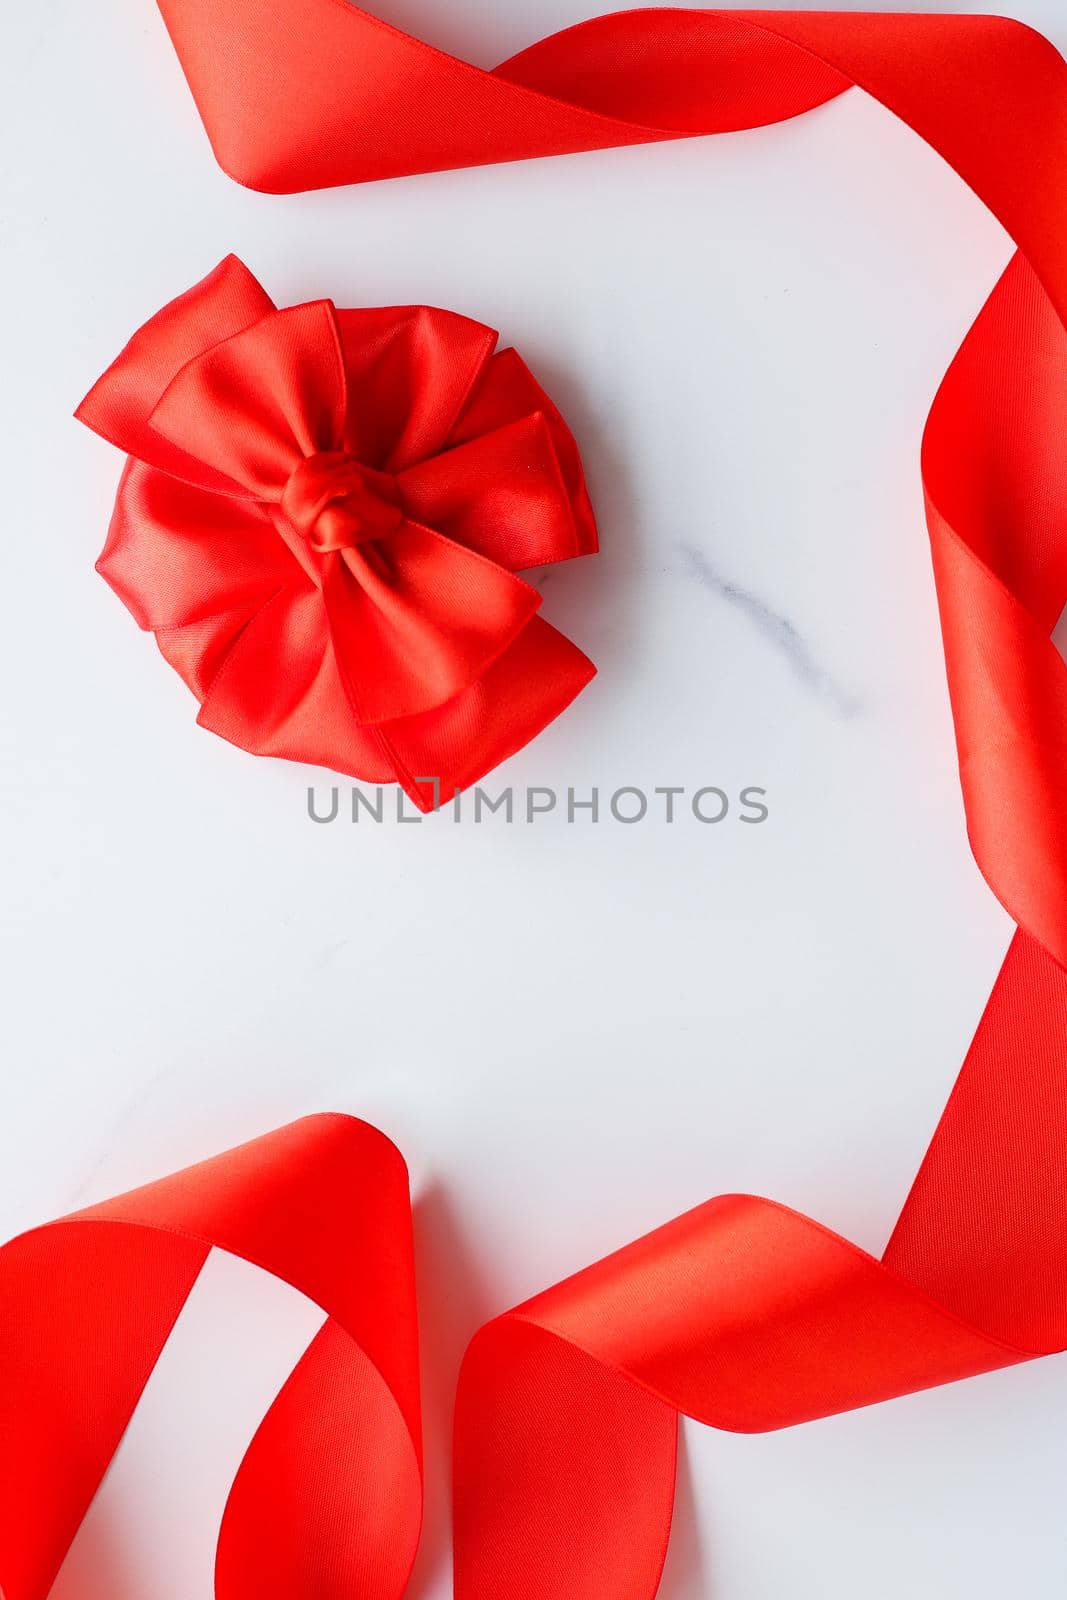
[778, 630]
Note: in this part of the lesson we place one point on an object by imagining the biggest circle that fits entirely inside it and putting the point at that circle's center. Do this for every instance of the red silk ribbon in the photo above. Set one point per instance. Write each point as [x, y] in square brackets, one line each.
[741, 1313]
[322, 520]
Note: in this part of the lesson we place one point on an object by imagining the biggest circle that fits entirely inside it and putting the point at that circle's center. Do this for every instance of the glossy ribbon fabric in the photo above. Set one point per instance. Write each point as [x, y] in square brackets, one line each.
[322, 520]
[327, 1500]
[298, 94]
[741, 1313]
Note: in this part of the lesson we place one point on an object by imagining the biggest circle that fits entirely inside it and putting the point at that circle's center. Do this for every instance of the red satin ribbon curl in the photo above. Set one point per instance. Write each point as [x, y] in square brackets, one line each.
[327, 1500]
[741, 1313]
[322, 520]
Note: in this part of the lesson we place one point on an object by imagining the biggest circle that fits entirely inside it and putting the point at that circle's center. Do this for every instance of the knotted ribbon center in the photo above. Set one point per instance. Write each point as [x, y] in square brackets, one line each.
[337, 503]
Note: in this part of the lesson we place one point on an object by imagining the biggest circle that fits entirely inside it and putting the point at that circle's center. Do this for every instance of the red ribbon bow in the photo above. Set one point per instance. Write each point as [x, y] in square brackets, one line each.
[322, 521]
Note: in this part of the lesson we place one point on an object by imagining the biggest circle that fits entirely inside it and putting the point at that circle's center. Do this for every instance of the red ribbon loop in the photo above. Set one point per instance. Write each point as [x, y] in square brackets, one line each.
[327, 1499]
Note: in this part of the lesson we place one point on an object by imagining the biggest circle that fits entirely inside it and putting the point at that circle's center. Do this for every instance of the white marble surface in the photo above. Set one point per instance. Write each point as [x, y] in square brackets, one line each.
[573, 1032]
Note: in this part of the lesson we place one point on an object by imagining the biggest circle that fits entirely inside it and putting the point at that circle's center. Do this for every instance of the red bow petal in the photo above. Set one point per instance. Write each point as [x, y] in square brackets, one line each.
[279, 693]
[415, 619]
[198, 650]
[253, 406]
[507, 392]
[176, 554]
[410, 370]
[502, 494]
[520, 694]
[120, 403]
